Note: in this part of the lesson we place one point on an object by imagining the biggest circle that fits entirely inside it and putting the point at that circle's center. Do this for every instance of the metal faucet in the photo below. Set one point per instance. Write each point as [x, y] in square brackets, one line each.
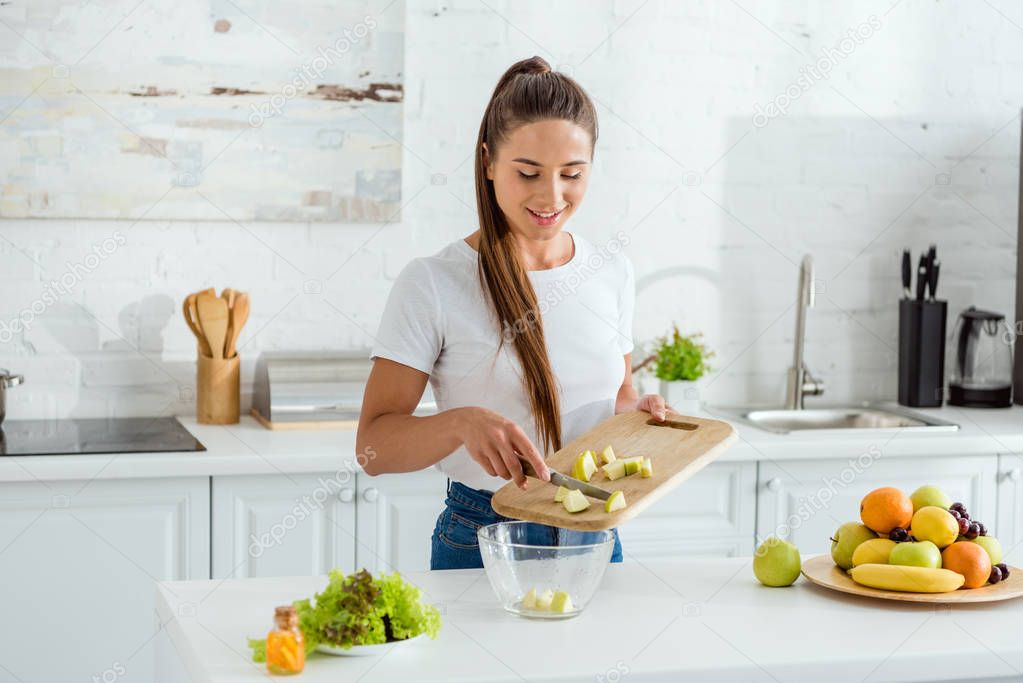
[800, 381]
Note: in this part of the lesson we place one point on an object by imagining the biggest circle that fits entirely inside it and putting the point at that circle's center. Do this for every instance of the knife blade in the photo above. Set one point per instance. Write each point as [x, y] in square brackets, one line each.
[559, 479]
[590, 490]
[907, 274]
[921, 277]
[932, 281]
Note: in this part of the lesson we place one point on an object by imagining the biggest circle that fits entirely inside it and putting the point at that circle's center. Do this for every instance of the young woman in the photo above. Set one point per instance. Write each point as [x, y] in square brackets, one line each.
[513, 379]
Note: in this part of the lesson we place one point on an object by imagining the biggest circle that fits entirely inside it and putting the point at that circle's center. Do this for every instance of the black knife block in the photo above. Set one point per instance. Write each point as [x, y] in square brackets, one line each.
[922, 352]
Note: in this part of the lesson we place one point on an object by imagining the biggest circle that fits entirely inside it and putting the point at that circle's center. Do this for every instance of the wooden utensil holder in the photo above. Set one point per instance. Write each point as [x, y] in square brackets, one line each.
[217, 389]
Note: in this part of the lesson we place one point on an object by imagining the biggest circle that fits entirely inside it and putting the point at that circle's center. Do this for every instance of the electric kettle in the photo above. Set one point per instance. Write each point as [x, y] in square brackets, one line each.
[982, 361]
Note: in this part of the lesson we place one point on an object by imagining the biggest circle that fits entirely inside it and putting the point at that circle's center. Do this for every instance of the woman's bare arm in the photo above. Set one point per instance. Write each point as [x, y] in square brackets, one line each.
[392, 439]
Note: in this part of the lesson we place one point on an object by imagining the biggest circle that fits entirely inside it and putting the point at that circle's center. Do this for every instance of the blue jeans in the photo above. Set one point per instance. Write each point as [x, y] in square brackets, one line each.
[455, 545]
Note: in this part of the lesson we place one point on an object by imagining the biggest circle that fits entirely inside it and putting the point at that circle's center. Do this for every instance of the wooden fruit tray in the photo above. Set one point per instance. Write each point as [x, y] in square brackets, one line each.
[822, 571]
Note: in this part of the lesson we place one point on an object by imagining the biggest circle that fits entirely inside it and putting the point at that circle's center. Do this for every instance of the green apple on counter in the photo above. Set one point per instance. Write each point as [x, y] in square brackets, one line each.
[930, 495]
[916, 554]
[776, 563]
[845, 541]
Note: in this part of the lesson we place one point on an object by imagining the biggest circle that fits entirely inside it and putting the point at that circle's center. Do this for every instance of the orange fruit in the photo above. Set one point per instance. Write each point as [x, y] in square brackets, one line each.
[885, 508]
[962, 557]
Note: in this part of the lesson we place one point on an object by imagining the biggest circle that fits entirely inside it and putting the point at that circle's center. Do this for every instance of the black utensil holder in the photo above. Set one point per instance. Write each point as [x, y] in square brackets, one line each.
[922, 352]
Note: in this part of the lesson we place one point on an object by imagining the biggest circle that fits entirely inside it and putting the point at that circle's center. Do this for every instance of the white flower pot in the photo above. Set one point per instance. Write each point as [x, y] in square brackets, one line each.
[683, 396]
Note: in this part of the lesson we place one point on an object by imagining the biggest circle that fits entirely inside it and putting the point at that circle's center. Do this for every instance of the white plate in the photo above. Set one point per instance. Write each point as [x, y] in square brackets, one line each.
[366, 650]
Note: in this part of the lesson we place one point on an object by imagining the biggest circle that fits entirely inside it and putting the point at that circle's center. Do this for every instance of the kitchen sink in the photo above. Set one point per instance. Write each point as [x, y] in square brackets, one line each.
[837, 419]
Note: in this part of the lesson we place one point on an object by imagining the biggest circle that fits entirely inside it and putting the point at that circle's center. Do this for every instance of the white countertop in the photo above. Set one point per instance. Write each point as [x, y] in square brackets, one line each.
[249, 448]
[690, 620]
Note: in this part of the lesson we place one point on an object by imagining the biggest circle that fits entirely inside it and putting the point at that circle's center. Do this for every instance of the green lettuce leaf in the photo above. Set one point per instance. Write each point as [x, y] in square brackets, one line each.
[359, 610]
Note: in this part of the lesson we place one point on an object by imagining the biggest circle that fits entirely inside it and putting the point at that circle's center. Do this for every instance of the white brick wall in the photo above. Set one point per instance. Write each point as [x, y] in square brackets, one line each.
[722, 211]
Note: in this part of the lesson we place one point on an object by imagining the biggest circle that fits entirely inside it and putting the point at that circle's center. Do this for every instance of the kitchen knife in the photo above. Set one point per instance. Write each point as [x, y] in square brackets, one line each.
[921, 277]
[559, 479]
[932, 280]
[907, 274]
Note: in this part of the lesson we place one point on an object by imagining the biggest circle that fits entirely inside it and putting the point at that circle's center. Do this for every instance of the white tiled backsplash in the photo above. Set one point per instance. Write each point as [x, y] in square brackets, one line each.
[912, 138]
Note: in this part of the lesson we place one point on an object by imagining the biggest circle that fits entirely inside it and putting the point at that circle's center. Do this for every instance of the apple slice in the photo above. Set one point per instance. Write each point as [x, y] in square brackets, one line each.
[560, 494]
[633, 465]
[614, 470]
[647, 468]
[615, 502]
[575, 501]
[562, 602]
[584, 466]
[608, 455]
[544, 600]
[529, 599]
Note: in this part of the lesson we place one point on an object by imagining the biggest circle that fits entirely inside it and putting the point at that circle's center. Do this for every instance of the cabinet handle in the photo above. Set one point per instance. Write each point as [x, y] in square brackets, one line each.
[773, 484]
[370, 495]
[1013, 474]
[346, 495]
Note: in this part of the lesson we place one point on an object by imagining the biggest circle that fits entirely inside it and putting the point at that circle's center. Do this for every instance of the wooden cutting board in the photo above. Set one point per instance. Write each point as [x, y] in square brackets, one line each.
[823, 571]
[678, 448]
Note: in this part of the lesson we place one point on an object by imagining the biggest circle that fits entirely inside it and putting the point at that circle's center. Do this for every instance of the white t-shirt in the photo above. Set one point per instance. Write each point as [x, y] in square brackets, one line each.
[438, 320]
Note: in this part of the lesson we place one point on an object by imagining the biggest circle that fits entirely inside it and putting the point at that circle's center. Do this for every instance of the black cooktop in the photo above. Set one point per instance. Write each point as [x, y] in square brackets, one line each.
[100, 435]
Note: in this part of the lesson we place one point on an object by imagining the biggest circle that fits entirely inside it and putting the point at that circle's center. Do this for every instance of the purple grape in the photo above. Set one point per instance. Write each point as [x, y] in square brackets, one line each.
[981, 529]
[898, 534]
[973, 531]
[956, 514]
[964, 526]
[996, 575]
[1005, 569]
[957, 506]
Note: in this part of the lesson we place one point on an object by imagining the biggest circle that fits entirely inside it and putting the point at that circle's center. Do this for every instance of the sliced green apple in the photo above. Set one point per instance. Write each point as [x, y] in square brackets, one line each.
[560, 494]
[633, 465]
[575, 501]
[529, 599]
[608, 455]
[615, 502]
[614, 470]
[647, 468]
[584, 466]
[562, 602]
[544, 600]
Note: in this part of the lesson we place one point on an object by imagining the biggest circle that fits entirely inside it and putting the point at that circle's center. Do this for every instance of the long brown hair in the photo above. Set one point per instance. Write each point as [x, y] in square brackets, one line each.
[529, 91]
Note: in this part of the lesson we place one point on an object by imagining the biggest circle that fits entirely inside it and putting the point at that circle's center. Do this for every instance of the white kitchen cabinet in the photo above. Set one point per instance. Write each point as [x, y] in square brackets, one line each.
[804, 501]
[711, 515]
[78, 561]
[283, 524]
[1009, 528]
[396, 515]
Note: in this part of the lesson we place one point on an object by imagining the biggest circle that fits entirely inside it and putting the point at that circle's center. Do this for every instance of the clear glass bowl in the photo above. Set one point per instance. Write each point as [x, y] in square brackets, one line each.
[523, 556]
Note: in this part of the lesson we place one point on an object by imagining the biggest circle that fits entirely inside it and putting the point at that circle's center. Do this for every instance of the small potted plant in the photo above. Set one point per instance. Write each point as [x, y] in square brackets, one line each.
[679, 361]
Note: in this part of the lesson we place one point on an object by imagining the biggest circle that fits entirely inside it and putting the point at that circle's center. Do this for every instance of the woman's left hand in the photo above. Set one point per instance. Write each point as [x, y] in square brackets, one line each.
[653, 404]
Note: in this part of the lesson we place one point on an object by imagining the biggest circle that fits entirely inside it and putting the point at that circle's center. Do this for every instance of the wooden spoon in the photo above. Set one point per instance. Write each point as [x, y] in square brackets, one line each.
[192, 319]
[213, 320]
[239, 316]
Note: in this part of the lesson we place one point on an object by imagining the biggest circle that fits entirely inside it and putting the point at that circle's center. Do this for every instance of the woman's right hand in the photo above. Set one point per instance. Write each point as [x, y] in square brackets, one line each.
[497, 443]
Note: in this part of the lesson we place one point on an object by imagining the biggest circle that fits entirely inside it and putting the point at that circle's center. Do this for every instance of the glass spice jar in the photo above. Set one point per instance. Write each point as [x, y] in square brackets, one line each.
[285, 648]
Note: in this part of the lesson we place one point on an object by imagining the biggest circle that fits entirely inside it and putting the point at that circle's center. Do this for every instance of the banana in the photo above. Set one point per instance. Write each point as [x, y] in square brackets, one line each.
[896, 577]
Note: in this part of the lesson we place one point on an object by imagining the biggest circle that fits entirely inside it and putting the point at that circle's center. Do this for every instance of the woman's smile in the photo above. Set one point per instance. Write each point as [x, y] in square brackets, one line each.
[544, 218]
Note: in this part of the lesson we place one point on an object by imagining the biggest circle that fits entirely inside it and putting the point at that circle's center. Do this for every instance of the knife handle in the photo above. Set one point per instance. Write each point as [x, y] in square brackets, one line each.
[528, 469]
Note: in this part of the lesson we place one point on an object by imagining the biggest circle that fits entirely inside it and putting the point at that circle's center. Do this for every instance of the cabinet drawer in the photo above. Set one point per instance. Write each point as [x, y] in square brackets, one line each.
[718, 503]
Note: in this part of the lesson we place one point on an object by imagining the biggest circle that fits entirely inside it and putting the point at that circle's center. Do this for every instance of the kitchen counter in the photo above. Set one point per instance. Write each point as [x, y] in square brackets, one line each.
[690, 620]
[249, 448]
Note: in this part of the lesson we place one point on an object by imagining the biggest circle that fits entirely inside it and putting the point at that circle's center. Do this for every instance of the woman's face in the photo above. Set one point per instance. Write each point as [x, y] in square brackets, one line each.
[540, 175]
